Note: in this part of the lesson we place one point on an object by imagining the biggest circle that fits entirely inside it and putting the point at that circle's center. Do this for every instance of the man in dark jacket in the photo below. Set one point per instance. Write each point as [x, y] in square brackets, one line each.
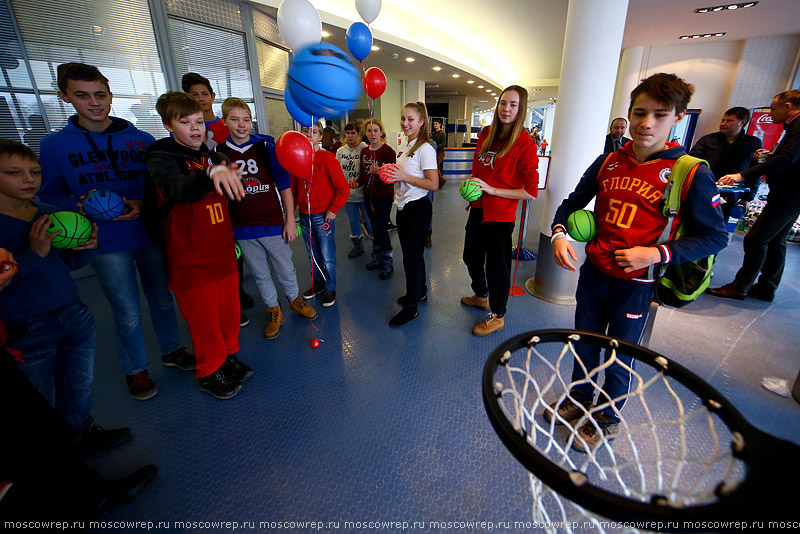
[615, 138]
[730, 151]
[765, 243]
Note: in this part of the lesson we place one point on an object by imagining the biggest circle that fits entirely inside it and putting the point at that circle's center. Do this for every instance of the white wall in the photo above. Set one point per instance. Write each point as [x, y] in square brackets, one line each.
[710, 67]
[766, 69]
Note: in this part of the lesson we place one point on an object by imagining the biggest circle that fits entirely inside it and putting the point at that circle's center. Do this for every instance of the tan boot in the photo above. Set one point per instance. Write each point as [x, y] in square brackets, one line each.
[274, 322]
[491, 324]
[306, 311]
[482, 303]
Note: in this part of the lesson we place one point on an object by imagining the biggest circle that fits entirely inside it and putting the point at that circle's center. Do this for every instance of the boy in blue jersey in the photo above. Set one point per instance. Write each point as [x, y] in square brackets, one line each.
[95, 151]
[51, 332]
[615, 287]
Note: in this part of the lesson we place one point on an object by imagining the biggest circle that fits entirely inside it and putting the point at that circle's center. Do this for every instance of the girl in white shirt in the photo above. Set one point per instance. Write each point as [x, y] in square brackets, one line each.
[416, 173]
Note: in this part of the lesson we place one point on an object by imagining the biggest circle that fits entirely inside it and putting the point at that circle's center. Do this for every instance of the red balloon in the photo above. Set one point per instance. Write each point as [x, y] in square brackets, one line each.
[374, 82]
[315, 343]
[295, 154]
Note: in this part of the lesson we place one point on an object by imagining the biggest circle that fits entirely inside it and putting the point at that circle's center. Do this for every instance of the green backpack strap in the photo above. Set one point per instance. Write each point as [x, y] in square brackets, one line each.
[672, 198]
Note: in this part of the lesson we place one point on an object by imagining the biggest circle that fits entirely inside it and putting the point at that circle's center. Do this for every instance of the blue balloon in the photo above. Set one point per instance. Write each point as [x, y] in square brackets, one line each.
[359, 40]
[324, 81]
[305, 119]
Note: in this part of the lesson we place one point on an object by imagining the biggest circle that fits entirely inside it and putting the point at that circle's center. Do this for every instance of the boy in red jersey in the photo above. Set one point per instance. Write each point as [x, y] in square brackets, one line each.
[319, 198]
[614, 289]
[191, 184]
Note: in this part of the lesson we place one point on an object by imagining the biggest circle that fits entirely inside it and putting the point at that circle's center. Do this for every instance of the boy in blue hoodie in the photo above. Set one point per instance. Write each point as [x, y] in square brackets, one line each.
[95, 151]
[51, 333]
[263, 221]
[615, 286]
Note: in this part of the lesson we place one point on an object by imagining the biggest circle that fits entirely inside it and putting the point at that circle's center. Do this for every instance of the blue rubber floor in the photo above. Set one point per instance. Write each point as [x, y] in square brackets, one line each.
[382, 425]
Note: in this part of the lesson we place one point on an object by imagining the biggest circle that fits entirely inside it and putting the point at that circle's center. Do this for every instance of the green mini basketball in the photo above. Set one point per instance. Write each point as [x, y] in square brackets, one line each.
[238, 250]
[470, 190]
[75, 229]
[582, 225]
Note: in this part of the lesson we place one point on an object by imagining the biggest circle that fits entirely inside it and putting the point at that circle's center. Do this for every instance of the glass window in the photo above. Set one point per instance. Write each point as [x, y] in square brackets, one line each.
[218, 54]
[279, 119]
[114, 35]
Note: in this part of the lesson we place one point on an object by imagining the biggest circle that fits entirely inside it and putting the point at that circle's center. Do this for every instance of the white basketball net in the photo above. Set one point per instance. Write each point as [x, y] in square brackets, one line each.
[669, 444]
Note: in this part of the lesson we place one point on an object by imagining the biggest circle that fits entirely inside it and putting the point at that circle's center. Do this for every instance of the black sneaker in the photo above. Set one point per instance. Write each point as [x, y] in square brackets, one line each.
[245, 300]
[310, 293]
[180, 358]
[243, 320]
[424, 298]
[235, 369]
[405, 315]
[328, 298]
[124, 490]
[765, 295]
[219, 384]
[140, 386]
[99, 439]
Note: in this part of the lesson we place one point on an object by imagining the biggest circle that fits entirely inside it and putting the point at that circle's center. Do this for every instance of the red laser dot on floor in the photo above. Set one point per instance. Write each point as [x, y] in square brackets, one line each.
[315, 343]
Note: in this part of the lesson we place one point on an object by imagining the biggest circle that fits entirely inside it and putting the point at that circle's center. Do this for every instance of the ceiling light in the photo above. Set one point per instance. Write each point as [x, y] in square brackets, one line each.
[325, 33]
[456, 76]
[437, 68]
[375, 48]
[488, 90]
[699, 35]
[483, 101]
[480, 87]
[470, 81]
[728, 7]
[410, 59]
[494, 94]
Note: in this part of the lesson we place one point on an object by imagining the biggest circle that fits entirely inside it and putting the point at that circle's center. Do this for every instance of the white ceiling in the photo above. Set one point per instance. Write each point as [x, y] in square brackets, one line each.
[497, 43]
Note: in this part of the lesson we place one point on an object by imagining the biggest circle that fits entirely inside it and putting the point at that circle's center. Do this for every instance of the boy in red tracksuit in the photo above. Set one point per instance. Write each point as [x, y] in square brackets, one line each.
[190, 187]
[319, 198]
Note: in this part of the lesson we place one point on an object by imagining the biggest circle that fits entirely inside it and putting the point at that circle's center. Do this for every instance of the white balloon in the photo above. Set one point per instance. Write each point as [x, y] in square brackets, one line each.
[368, 9]
[299, 24]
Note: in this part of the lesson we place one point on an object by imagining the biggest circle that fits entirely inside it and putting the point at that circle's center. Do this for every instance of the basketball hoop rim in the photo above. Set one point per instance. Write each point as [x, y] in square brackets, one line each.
[758, 451]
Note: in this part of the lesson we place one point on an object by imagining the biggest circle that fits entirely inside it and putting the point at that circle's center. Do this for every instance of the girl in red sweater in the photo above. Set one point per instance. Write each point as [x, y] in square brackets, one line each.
[505, 166]
[319, 198]
[378, 196]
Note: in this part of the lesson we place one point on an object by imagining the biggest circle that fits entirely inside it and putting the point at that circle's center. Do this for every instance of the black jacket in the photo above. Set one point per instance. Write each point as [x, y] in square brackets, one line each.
[610, 143]
[729, 158]
[783, 166]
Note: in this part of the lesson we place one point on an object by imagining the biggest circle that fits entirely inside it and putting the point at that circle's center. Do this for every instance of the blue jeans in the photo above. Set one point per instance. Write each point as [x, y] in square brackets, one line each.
[117, 275]
[58, 352]
[430, 224]
[616, 308]
[354, 210]
[318, 235]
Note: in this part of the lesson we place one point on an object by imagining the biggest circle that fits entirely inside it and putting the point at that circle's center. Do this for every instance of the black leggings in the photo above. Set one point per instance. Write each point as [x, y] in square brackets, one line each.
[412, 227]
[487, 253]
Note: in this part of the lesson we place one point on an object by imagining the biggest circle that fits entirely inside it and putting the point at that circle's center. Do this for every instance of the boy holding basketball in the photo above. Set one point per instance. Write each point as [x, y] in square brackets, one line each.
[51, 332]
[616, 286]
[191, 184]
[96, 151]
[263, 222]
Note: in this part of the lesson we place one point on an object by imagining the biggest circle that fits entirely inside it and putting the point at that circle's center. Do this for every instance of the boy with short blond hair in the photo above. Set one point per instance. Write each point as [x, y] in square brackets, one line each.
[615, 287]
[51, 332]
[263, 221]
[191, 183]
